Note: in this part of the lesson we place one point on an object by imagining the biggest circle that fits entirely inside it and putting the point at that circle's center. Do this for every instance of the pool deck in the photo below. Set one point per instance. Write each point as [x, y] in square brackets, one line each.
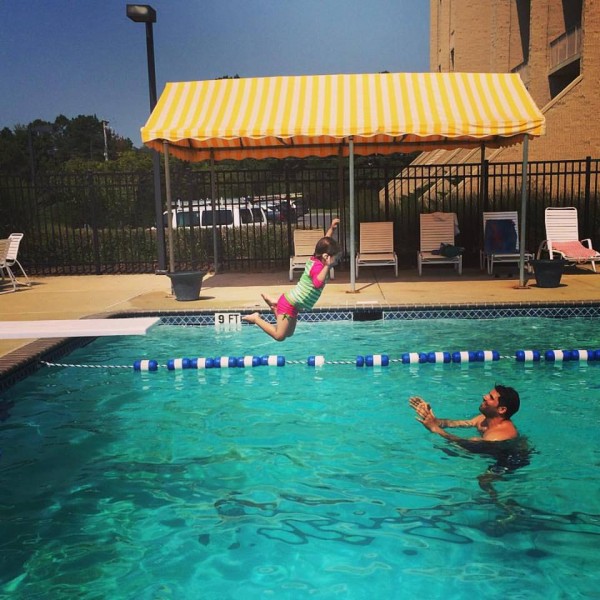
[79, 297]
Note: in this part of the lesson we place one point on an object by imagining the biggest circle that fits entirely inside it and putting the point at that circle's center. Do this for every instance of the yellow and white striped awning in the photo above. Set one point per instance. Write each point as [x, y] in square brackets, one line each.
[316, 115]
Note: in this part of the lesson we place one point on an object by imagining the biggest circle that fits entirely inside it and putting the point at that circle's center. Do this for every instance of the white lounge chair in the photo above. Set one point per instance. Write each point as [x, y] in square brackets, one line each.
[562, 237]
[14, 241]
[305, 241]
[500, 239]
[5, 269]
[437, 229]
[377, 246]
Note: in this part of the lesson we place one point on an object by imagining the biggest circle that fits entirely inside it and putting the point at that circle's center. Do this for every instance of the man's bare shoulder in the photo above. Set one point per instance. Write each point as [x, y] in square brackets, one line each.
[501, 432]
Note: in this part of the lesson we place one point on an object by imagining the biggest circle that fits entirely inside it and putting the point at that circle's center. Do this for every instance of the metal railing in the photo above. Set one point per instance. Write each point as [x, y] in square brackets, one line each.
[565, 48]
[98, 223]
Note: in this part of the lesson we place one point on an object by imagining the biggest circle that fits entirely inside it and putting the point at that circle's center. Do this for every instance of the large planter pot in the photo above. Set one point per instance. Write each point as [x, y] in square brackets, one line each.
[548, 272]
[186, 284]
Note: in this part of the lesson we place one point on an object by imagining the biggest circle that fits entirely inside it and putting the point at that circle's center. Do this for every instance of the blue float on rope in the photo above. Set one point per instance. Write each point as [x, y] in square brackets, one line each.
[370, 360]
[588, 355]
[145, 365]
[176, 364]
[464, 356]
[248, 361]
[527, 355]
[319, 361]
[487, 355]
[201, 363]
[439, 357]
[414, 358]
[224, 362]
[571, 355]
[557, 355]
[272, 360]
[377, 360]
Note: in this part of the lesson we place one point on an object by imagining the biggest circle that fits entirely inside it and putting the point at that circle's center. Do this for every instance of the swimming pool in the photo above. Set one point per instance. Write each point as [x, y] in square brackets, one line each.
[294, 482]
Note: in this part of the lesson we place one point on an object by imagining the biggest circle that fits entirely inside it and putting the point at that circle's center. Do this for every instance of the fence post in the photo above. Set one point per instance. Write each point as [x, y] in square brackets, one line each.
[483, 191]
[91, 194]
[289, 207]
[386, 193]
[345, 226]
[588, 176]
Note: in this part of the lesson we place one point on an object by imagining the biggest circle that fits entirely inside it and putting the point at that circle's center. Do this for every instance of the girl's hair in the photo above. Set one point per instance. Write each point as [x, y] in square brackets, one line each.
[327, 245]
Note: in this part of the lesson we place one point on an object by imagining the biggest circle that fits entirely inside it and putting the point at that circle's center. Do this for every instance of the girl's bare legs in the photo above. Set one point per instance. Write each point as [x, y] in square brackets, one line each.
[272, 304]
[284, 327]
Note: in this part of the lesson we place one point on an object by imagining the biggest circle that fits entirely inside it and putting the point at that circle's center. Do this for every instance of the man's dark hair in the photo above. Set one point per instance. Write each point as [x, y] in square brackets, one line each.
[509, 398]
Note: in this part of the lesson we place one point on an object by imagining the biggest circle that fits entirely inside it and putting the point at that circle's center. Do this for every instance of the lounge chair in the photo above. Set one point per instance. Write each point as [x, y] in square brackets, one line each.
[436, 229]
[500, 239]
[5, 267]
[377, 246]
[14, 241]
[305, 241]
[562, 237]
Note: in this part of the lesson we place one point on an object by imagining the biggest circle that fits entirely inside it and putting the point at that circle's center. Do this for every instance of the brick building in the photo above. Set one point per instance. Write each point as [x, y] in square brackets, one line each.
[552, 44]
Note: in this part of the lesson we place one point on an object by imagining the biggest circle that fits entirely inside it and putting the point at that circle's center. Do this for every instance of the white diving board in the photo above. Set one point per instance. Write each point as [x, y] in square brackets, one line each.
[14, 330]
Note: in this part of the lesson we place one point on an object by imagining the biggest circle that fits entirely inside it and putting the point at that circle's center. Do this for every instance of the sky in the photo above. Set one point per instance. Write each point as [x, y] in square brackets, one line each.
[85, 57]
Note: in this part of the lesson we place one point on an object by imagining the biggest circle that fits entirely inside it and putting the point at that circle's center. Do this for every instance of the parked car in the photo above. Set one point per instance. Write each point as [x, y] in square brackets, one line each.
[271, 210]
[300, 206]
[278, 208]
[287, 211]
[279, 211]
[222, 216]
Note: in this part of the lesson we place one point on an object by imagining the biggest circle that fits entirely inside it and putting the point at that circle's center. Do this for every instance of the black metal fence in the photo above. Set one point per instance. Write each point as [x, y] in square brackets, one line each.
[105, 222]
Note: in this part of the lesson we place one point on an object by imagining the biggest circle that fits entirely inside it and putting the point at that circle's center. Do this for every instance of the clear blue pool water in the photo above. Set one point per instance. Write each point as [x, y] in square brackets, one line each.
[297, 482]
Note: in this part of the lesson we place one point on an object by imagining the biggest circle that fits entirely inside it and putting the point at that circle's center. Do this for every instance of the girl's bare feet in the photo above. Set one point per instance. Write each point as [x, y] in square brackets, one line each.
[251, 318]
[272, 304]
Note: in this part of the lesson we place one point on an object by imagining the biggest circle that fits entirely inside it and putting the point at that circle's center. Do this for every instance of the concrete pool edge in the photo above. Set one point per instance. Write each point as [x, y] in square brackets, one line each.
[22, 362]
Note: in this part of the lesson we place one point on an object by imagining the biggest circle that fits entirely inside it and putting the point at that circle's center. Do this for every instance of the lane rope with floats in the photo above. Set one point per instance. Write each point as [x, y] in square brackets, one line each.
[368, 360]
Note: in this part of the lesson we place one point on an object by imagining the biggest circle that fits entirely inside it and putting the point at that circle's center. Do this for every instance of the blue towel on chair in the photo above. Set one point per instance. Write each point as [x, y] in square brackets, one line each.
[500, 237]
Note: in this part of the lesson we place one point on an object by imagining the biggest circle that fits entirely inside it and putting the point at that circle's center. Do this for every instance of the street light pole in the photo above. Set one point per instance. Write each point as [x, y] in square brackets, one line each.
[104, 127]
[143, 13]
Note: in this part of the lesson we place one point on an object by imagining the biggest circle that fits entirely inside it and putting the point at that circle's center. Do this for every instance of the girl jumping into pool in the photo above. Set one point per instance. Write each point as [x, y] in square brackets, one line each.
[305, 295]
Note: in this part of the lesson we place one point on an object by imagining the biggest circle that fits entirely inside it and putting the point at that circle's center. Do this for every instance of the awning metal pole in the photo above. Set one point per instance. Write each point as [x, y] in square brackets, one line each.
[483, 196]
[158, 212]
[169, 208]
[352, 216]
[523, 212]
[213, 194]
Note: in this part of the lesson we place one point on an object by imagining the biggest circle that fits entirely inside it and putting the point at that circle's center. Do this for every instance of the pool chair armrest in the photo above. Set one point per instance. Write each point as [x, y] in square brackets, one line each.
[541, 248]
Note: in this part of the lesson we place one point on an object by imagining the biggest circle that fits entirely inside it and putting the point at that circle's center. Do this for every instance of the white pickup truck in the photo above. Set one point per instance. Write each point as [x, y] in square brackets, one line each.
[221, 216]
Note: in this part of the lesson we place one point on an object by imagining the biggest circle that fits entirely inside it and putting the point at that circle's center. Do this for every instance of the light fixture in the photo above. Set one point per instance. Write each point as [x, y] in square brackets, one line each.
[143, 13]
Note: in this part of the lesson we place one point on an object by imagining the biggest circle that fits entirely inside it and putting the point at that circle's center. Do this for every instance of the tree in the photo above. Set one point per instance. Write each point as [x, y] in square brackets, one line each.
[41, 146]
[13, 152]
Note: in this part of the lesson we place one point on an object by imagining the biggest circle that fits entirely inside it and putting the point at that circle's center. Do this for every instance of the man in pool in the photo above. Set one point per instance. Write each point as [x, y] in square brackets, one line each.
[498, 437]
[493, 423]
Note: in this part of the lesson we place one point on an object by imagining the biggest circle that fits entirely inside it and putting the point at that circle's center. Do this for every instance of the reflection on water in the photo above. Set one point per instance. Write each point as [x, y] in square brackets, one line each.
[294, 482]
